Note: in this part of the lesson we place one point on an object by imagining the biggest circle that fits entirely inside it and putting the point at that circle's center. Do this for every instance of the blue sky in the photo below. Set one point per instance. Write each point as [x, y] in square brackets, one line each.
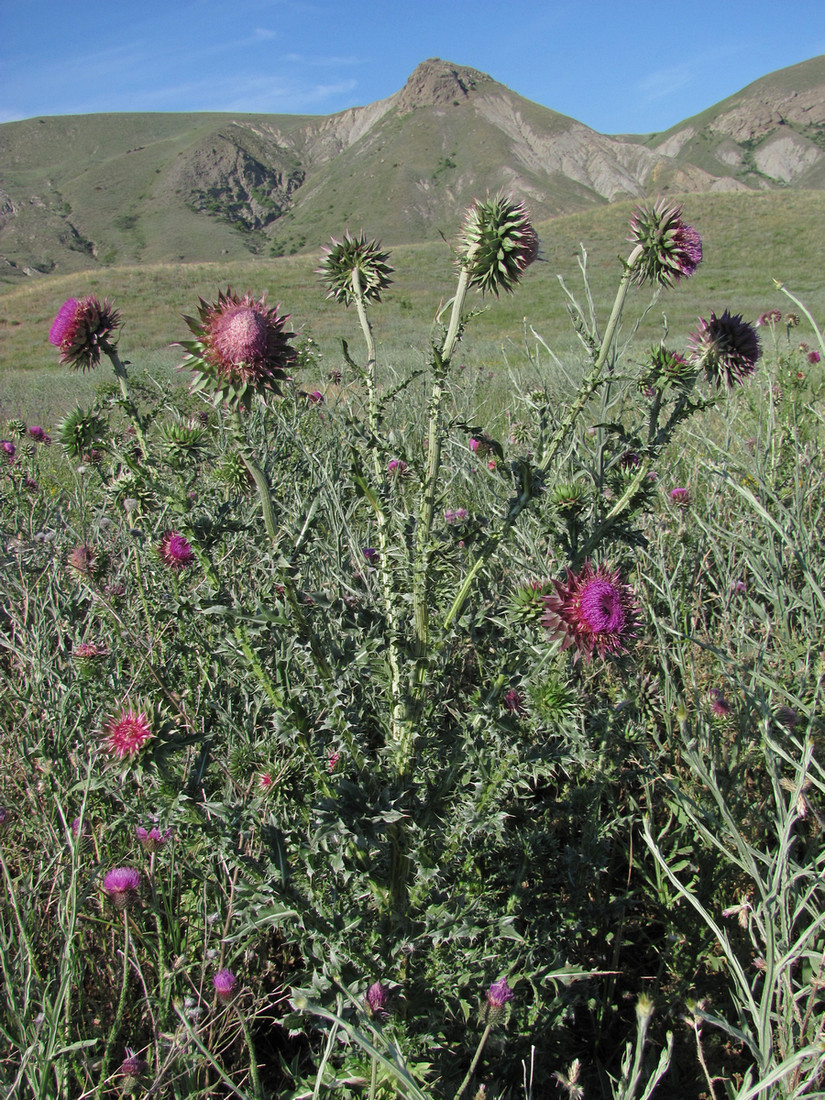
[632, 66]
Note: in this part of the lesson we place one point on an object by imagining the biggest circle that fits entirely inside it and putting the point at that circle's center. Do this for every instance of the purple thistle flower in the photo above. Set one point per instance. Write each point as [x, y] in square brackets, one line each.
[461, 514]
[82, 330]
[8, 449]
[669, 250]
[153, 839]
[591, 610]
[499, 994]
[370, 553]
[128, 733]
[122, 885]
[224, 983]
[175, 551]
[514, 702]
[132, 1065]
[39, 435]
[680, 497]
[396, 467]
[720, 705]
[377, 999]
[726, 347]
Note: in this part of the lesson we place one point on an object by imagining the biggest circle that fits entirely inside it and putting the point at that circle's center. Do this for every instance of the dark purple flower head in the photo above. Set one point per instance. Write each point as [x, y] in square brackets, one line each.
[39, 435]
[499, 993]
[224, 983]
[719, 704]
[591, 610]
[370, 553]
[726, 348]
[241, 348]
[82, 329]
[8, 449]
[680, 497]
[122, 885]
[175, 551]
[514, 701]
[377, 999]
[813, 357]
[396, 467]
[132, 1065]
[669, 250]
[153, 839]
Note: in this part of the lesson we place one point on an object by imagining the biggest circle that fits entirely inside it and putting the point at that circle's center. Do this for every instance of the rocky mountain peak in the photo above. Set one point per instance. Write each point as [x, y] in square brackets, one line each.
[437, 83]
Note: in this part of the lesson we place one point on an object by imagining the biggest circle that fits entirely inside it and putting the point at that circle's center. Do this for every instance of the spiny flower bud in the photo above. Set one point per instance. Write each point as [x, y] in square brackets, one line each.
[669, 249]
[497, 244]
[354, 255]
[80, 431]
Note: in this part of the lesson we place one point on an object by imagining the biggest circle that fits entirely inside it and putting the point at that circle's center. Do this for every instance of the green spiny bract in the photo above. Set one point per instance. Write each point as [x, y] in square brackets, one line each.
[80, 431]
[355, 255]
[497, 244]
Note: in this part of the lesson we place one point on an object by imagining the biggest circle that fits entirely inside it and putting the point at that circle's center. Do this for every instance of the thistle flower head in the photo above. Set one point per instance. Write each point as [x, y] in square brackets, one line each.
[89, 651]
[82, 329]
[376, 1000]
[80, 431]
[127, 734]
[7, 449]
[499, 993]
[241, 349]
[497, 244]
[224, 983]
[680, 497]
[40, 435]
[152, 840]
[354, 260]
[669, 249]
[592, 610]
[85, 561]
[132, 1066]
[175, 551]
[726, 347]
[122, 885]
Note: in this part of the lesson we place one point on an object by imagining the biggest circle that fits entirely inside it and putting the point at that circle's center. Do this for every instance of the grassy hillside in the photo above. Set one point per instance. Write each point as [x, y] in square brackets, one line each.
[749, 240]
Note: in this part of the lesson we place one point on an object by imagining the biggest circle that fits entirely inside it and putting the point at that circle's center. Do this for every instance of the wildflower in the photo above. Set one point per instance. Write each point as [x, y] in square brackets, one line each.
[396, 467]
[449, 515]
[332, 762]
[591, 610]
[514, 702]
[474, 444]
[40, 436]
[498, 244]
[153, 839]
[315, 398]
[132, 1065]
[669, 250]
[175, 551]
[89, 651]
[84, 561]
[376, 1000]
[122, 886]
[82, 329]
[787, 717]
[680, 497]
[8, 449]
[461, 514]
[353, 268]
[739, 588]
[224, 983]
[335, 376]
[499, 993]
[127, 734]
[813, 357]
[726, 347]
[265, 782]
[370, 553]
[720, 706]
[241, 348]
[629, 460]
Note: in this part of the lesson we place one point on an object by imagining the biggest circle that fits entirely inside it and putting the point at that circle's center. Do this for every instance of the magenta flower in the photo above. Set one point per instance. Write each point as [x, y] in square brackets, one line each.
[82, 329]
[499, 993]
[8, 449]
[461, 514]
[514, 702]
[224, 983]
[332, 762]
[89, 651]
[396, 467]
[127, 734]
[241, 348]
[591, 610]
[669, 250]
[719, 704]
[84, 561]
[370, 553]
[315, 398]
[377, 999]
[813, 357]
[680, 497]
[132, 1065]
[175, 551]
[153, 839]
[474, 444]
[726, 347]
[122, 885]
[40, 436]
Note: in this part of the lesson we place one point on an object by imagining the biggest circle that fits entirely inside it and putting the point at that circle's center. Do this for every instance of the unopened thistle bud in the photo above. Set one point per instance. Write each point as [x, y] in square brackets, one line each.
[497, 244]
[355, 255]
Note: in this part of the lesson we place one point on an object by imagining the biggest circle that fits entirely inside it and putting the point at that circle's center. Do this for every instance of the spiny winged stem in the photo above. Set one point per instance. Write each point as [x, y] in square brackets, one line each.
[384, 565]
[262, 485]
[122, 380]
[589, 386]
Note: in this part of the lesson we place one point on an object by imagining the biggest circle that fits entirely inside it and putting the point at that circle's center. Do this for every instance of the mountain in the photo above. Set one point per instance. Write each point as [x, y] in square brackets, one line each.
[84, 191]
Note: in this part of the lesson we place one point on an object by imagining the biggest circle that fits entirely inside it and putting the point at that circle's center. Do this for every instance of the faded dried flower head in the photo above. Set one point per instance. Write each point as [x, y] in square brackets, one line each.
[241, 349]
[726, 348]
[89, 651]
[126, 735]
[669, 250]
[82, 329]
[497, 244]
[122, 885]
[353, 267]
[593, 610]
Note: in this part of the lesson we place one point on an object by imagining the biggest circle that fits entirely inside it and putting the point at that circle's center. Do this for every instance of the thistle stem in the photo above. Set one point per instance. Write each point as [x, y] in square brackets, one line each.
[122, 379]
[474, 1062]
[121, 1006]
[590, 385]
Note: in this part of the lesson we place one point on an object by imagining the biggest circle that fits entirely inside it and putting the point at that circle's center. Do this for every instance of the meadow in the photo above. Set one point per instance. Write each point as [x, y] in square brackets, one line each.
[435, 714]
